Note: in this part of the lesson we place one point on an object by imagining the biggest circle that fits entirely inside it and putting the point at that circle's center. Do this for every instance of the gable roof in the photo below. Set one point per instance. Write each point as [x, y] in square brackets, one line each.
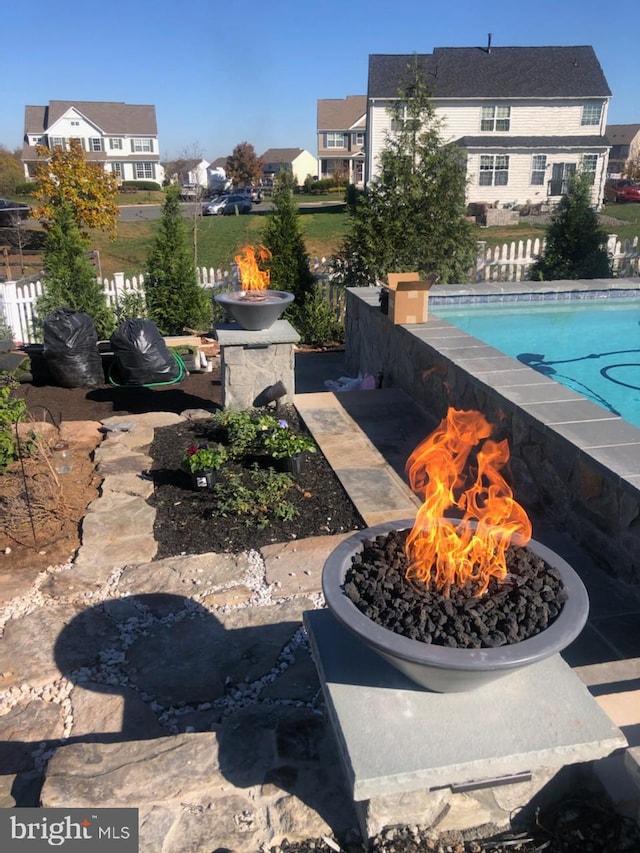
[218, 163]
[281, 155]
[342, 113]
[112, 117]
[622, 134]
[496, 72]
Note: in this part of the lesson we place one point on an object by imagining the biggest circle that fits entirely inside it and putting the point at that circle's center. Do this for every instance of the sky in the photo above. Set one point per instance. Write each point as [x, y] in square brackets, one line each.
[221, 72]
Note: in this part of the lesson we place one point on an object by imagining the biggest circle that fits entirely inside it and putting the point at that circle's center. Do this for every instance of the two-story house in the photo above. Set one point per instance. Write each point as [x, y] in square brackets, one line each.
[525, 117]
[341, 125]
[123, 137]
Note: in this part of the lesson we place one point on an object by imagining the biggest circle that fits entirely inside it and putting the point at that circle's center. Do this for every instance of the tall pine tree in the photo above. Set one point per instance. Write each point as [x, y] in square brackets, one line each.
[70, 280]
[576, 244]
[175, 301]
[412, 214]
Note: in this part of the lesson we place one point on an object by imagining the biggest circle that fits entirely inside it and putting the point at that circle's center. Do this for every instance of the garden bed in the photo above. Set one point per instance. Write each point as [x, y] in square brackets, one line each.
[200, 521]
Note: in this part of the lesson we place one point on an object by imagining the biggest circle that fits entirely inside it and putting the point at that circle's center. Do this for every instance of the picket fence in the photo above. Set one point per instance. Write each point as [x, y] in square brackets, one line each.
[18, 298]
[509, 262]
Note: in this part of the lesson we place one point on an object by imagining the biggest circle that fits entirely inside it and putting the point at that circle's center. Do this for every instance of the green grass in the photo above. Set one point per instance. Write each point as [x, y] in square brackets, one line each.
[221, 237]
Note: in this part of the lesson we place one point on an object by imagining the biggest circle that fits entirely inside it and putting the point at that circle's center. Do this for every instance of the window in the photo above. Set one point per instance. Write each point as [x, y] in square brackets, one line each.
[139, 145]
[74, 123]
[494, 170]
[37, 140]
[589, 165]
[143, 170]
[116, 168]
[95, 144]
[359, 138]
[591, 114]
[57, 142]
[538, 168]
[335, 140]
[495, 118]
[115, 144]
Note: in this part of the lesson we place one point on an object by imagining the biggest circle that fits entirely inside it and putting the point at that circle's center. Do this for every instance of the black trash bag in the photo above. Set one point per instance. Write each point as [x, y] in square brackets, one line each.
[71, 349]
[141, 357]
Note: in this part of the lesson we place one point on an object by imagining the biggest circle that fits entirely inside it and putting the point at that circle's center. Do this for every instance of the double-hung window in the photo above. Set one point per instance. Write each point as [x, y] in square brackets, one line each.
[139, 145]
[335, 140]
[589, 165]
[591, 114]
[115, 143]
[538, 168]
[143, 170]
[95, 143]
[494, 170]
[495, 119]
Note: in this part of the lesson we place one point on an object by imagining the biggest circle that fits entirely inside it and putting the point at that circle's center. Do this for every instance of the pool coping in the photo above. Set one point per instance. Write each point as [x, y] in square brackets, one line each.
[607, 439]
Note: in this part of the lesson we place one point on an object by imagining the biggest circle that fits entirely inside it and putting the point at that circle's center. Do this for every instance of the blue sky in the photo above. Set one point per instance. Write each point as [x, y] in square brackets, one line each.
[221, 72]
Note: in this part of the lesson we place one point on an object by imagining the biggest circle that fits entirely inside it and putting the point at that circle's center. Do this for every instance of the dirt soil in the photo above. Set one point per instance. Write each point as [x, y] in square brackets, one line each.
[40, 514]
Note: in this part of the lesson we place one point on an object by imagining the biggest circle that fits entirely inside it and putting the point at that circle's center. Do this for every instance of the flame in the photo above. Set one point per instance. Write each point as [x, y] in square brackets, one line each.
[443, 552]
[251, 276]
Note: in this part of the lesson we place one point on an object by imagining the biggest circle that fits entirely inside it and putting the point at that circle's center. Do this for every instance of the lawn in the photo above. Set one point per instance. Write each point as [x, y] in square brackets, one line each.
[219, 238]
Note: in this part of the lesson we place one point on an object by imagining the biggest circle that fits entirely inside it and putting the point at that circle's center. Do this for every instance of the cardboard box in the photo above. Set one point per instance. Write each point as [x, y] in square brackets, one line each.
[408, 297]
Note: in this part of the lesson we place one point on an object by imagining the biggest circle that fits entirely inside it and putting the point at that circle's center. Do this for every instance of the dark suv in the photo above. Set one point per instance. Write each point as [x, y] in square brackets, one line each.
[621, 190]
[11, 212]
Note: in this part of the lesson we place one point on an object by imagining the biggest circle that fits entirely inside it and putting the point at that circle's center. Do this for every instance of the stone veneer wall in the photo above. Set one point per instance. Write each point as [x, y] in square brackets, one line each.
[600, 509]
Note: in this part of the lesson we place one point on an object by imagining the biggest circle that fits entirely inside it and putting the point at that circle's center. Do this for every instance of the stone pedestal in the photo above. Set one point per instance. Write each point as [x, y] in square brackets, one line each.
[451, 760]
[252, 361]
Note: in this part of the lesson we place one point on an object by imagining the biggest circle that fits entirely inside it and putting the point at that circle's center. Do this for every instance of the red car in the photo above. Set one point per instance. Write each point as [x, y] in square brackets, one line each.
[622, 190]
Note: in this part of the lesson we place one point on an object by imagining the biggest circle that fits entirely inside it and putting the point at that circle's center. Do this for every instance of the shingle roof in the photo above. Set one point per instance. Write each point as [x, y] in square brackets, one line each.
[499, 72]
[342, 113]
[622, 134]
[546, 142]
[281, 155]
[112, 117]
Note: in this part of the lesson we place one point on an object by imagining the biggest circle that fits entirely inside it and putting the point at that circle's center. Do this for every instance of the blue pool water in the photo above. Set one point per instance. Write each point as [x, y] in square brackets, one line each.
[593, 348]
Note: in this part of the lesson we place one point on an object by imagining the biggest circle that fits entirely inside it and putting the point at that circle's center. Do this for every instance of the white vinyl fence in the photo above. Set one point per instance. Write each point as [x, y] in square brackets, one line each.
[17, 298]
[509, 262]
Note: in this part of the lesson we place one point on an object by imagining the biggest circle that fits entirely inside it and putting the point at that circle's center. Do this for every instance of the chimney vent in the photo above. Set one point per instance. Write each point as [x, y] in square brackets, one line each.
[489, 42]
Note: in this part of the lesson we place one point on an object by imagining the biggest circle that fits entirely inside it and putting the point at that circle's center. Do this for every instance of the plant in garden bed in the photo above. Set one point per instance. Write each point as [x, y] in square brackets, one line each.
[13, 409]
[240, 430]
[204, 457]
[257, 498]
[282, 442]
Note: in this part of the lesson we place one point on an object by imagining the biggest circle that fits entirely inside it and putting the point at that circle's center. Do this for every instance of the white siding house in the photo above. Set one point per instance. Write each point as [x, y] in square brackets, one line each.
[123, 137]
[525, 117]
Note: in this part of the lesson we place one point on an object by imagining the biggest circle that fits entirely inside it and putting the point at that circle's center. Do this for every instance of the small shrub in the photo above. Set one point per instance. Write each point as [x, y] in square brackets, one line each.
[257, 499]
[26, 188]
[13, 409]
[240, 429]
[127, 186]
[315, 321]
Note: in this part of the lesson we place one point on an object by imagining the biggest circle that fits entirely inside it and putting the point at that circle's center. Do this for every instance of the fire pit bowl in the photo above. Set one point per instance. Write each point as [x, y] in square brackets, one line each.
[255, 310]
[439, 668]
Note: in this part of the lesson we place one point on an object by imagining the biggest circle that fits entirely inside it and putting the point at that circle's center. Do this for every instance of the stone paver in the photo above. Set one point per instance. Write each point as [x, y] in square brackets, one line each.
[188, 680]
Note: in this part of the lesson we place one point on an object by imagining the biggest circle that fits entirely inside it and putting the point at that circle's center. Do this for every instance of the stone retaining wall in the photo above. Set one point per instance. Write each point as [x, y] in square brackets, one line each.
[597, 506]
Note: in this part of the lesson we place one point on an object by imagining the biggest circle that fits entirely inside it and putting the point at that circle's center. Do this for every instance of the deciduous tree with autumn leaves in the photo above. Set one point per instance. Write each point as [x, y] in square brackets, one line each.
[76, 196]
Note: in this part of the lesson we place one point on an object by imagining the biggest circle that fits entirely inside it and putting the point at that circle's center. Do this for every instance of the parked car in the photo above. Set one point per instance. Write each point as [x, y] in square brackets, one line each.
[11, 212]
[254, 193]
[227, 205]
[622, 190]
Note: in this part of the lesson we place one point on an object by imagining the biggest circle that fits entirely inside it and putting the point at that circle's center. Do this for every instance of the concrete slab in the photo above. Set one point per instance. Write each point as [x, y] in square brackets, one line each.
[395, 737]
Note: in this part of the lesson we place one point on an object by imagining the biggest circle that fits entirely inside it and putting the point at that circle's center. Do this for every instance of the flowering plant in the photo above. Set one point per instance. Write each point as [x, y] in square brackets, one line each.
[203, 457]
[283, 441]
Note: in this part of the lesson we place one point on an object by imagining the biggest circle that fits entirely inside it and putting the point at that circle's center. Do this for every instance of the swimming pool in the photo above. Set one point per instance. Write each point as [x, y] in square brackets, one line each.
[590, 346]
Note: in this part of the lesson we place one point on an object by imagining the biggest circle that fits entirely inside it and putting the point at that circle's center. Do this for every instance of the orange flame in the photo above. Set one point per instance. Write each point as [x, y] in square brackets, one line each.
[442, 552]
[251, 276]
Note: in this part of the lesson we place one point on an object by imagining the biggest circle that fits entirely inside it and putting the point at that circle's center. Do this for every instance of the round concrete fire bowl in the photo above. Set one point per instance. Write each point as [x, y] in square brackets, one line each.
[439, 668]
[255, 310]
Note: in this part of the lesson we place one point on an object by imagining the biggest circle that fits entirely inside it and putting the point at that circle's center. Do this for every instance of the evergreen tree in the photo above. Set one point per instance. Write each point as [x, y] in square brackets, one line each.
[576, 244]
[69, 279]
[412, 214]
[175, 300]
[289, 264]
